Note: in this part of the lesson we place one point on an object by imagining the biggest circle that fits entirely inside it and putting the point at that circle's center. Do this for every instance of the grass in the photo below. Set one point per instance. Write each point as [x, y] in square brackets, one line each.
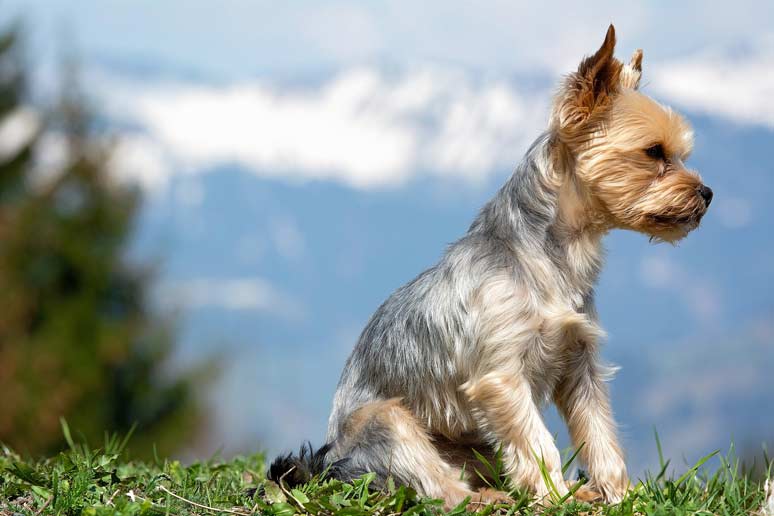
[96, 482]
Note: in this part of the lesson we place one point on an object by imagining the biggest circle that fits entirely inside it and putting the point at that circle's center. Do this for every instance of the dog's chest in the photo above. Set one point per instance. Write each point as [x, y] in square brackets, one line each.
[550, 327]
[523, 324]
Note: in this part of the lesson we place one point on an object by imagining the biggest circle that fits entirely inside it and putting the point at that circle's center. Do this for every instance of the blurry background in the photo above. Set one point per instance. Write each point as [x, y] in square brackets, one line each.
[202, 203]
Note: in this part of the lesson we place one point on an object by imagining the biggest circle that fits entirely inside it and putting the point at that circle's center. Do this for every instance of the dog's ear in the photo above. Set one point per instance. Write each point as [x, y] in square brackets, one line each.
[588, 92]
[632, 72]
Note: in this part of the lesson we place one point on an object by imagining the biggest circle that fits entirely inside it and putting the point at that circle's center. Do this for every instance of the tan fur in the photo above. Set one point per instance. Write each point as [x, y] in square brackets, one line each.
[632, 72]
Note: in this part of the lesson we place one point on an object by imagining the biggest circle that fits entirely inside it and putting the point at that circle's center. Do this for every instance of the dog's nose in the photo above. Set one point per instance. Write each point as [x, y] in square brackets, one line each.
[706, 194]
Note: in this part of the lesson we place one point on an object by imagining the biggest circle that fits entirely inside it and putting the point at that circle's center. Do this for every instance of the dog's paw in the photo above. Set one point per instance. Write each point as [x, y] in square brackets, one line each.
[612, 490]
[585, 493]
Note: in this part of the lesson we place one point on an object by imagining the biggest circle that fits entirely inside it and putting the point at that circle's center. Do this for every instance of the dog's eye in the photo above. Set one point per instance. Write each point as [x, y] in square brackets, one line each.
[655, 152]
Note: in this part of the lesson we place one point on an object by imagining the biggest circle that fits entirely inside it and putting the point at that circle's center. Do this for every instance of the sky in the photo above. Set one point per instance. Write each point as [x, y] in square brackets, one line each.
[302, 160]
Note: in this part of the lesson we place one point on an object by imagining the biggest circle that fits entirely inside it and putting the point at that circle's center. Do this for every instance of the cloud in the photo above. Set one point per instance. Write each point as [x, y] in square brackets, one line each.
[368, 129]
[237, 294]
[736, 85]
[360, 128]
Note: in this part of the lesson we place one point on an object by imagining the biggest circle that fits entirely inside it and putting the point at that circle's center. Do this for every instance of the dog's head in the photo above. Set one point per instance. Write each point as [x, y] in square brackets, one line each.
[629, 151]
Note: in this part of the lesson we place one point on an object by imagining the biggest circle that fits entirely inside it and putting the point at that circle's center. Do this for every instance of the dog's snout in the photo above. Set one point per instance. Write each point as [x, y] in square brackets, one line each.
[706, 194]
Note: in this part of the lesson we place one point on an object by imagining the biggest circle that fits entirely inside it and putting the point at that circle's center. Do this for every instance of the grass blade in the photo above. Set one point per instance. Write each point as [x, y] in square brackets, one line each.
[660, 450]
[553, 491]
[572, 458]
[695, 468]
[66, 433]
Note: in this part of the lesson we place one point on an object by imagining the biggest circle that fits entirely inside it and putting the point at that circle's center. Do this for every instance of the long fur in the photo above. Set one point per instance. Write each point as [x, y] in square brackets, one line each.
[466, 354]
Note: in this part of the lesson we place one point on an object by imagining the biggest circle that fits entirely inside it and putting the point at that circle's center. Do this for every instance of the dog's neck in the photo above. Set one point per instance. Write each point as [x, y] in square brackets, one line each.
[542, 210]
[577, 233]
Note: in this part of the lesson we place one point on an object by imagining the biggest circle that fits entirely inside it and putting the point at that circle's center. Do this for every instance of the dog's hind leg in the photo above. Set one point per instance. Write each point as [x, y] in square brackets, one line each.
[385, 438]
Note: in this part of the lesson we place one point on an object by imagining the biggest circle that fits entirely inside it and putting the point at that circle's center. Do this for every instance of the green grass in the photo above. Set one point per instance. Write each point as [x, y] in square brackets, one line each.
[85, 481]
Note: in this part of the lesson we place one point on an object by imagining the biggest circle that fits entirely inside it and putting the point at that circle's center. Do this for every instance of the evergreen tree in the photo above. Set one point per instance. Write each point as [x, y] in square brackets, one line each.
[77, 337]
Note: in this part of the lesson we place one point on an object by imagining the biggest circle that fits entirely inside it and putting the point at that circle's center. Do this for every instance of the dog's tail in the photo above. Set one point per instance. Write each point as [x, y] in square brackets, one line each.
[293, 470]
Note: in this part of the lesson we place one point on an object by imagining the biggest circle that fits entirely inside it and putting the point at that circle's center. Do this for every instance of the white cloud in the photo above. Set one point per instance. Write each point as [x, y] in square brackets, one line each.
[737, 86]
[369, 130]
[360, 128]
[239, 294]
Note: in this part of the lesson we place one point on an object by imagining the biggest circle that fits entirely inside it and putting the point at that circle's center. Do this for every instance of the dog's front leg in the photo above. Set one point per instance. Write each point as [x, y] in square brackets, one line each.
[582, 399]
[506, 410]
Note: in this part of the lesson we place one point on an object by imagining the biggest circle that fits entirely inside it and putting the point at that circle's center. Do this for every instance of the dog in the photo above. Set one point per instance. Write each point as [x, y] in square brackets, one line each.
[463, 357]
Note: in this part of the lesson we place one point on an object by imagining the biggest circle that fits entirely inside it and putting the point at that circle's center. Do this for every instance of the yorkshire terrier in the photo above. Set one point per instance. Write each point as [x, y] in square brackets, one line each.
[464, 356]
